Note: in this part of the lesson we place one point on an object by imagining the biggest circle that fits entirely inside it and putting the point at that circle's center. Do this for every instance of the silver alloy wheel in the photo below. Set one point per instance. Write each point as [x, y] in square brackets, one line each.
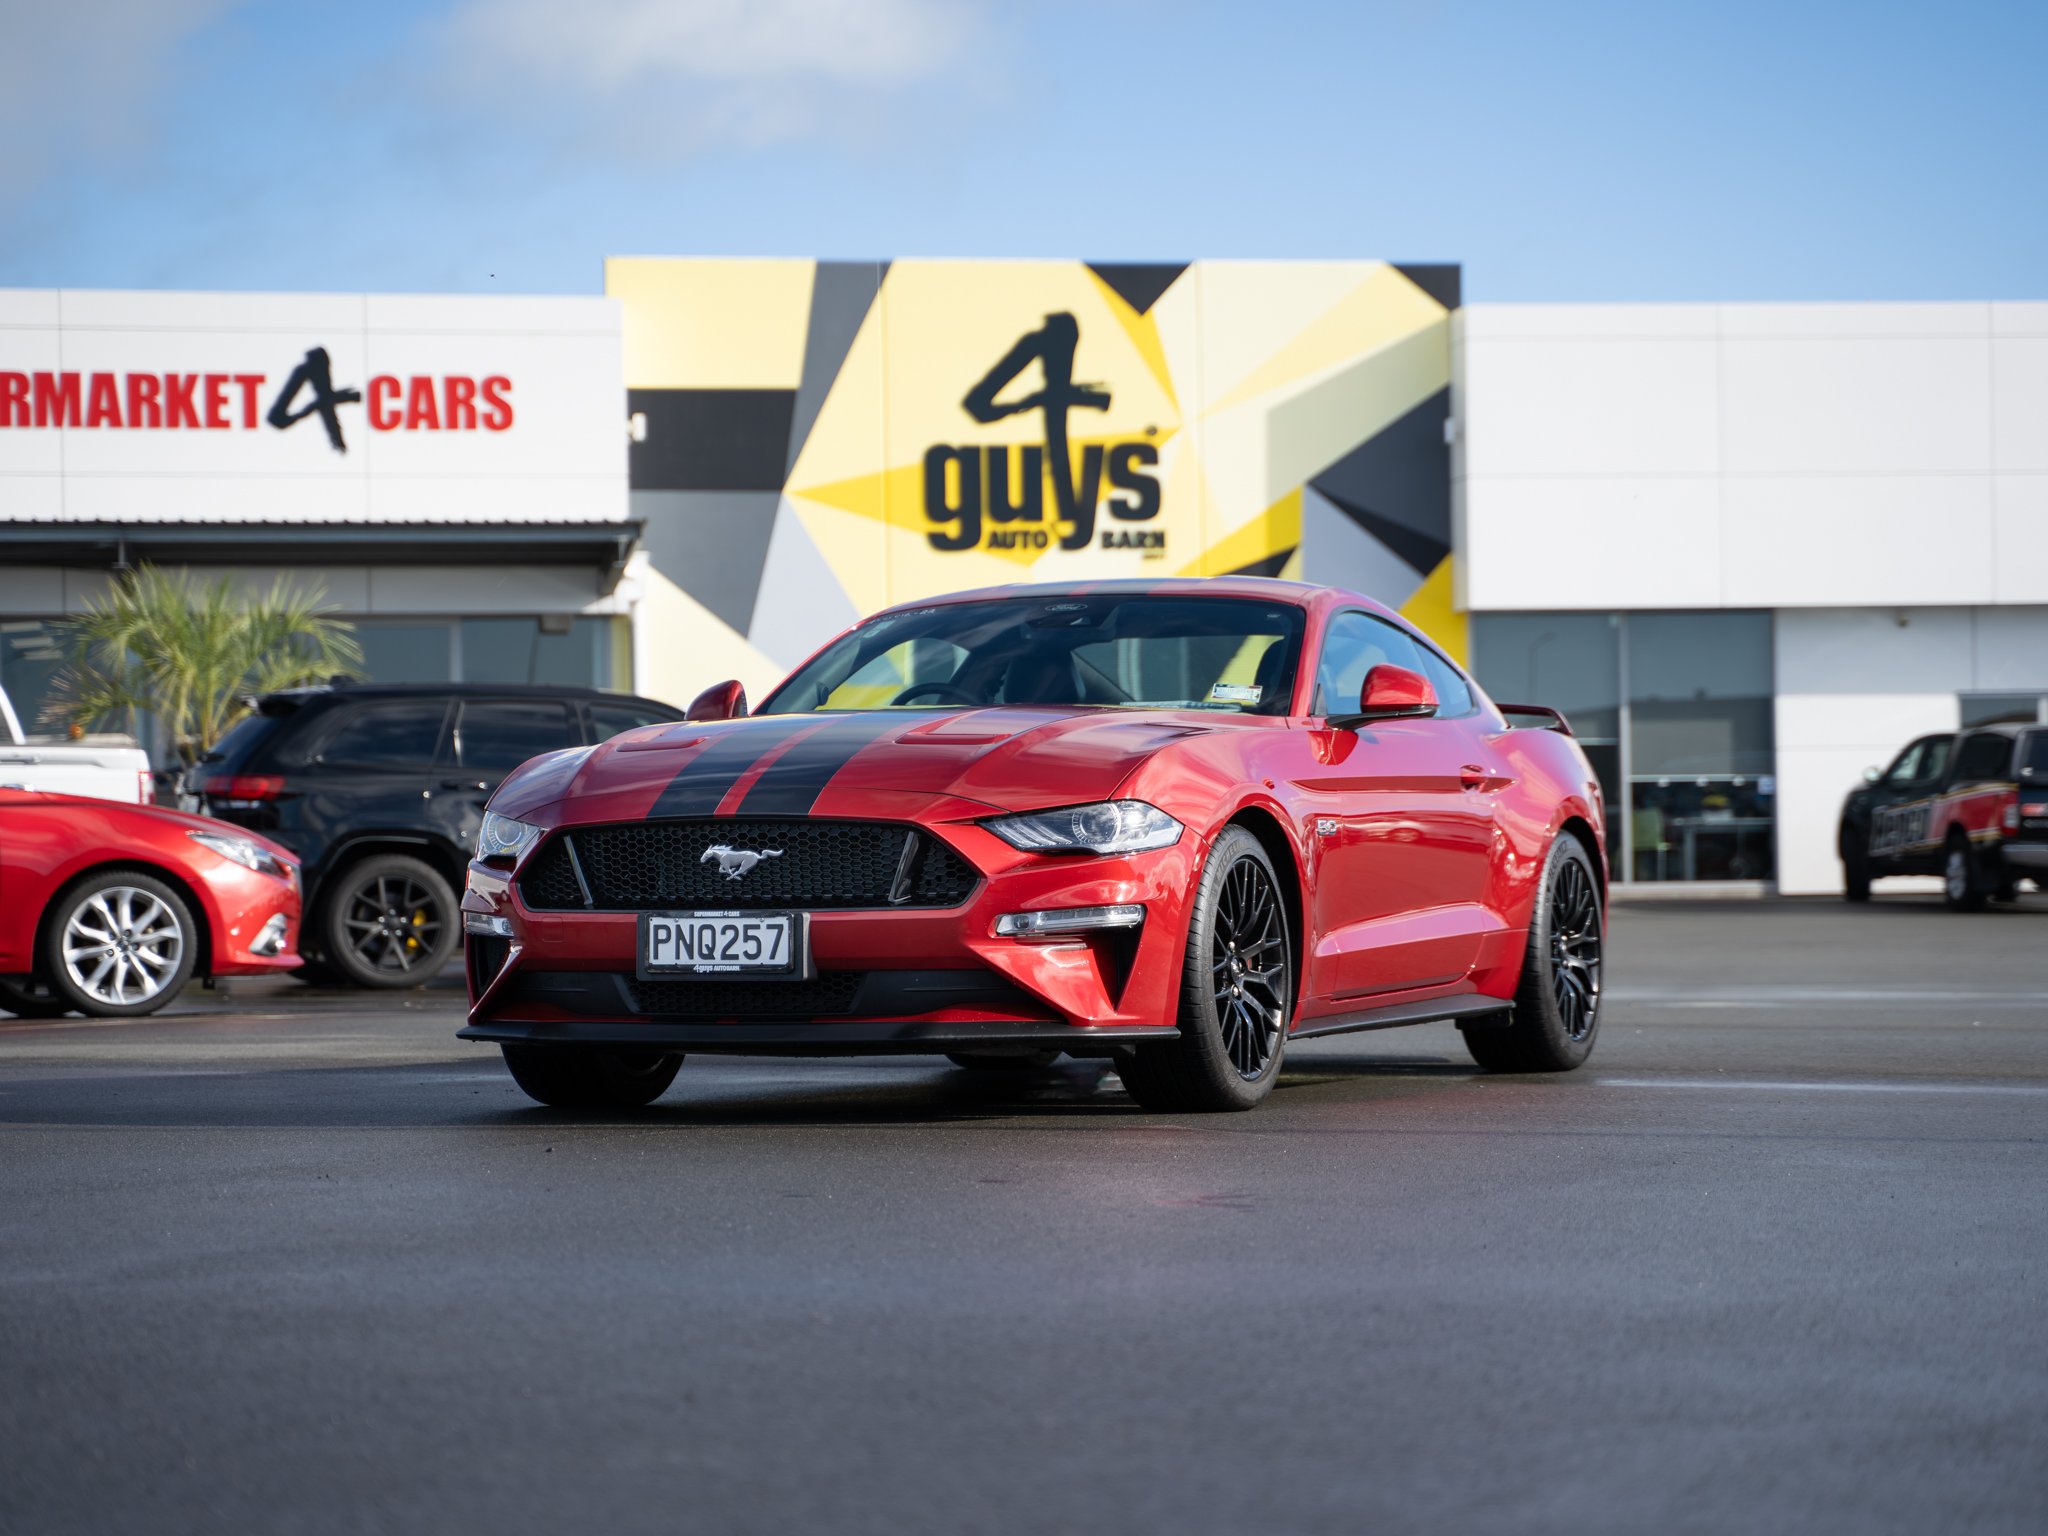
[123, 945]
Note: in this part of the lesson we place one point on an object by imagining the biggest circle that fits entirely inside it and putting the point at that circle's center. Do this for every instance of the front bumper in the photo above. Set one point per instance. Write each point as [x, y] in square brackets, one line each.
[915, 979]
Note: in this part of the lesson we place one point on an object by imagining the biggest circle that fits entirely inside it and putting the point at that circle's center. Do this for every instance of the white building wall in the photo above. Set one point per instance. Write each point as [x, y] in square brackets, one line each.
[1877, 474]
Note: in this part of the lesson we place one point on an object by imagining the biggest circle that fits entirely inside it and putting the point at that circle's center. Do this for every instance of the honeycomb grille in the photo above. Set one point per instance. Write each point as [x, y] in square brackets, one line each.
[815, 865]
[829, 993]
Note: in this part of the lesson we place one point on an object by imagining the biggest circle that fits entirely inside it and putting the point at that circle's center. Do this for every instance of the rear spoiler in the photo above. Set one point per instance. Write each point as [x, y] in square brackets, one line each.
[1552, 720]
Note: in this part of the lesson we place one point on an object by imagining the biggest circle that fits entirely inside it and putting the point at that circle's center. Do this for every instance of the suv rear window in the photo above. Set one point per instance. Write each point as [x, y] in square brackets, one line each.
[2034, 756]
[242, 741]
[497, 735]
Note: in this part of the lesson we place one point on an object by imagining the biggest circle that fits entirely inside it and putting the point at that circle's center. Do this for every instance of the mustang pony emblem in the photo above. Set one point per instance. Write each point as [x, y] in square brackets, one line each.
[734, 862]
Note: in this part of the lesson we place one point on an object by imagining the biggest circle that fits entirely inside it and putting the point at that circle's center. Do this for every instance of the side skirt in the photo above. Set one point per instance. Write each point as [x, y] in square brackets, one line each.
[1465, 1012]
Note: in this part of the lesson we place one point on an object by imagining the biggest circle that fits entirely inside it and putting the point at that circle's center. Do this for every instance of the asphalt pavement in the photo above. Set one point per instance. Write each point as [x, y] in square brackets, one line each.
[1776, 1260]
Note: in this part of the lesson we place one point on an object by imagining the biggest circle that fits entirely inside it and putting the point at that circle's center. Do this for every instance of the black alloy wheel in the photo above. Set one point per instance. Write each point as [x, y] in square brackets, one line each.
[1556, 1013]
[591, 1077]
[389, 922]
[1237, 992]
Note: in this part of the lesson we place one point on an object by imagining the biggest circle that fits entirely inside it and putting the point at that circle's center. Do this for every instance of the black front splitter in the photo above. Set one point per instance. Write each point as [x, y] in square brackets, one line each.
[852, 1037]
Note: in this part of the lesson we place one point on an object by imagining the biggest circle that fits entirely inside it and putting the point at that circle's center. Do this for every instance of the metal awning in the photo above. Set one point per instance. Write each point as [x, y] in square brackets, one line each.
[119, 545]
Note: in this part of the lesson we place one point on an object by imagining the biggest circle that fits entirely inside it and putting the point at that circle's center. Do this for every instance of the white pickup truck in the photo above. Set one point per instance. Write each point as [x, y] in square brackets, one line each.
[100, 767]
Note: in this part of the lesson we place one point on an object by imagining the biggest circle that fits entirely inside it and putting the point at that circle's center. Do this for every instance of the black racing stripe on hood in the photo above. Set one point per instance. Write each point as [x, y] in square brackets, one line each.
[703, 781]
[792, 783]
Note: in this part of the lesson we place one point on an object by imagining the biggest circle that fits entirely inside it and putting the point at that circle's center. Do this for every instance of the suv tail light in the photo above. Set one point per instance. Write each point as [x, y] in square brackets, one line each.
[245, 786]
[145, 787]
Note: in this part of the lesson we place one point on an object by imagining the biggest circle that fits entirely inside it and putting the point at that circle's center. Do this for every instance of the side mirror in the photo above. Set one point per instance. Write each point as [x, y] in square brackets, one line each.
[1872, 775]
[721, 701]
[1390, 693]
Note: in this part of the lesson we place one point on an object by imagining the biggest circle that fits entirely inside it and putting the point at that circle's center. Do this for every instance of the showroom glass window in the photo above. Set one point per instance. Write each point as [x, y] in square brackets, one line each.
[1674, 710]
[1700, 746]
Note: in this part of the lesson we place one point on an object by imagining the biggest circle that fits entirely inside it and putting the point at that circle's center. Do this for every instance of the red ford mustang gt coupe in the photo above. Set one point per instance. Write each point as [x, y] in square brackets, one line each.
[109, 909]
[1177, 823]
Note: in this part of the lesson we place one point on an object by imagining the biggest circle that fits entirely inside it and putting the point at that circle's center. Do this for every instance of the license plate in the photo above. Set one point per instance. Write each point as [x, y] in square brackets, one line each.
[721, 944]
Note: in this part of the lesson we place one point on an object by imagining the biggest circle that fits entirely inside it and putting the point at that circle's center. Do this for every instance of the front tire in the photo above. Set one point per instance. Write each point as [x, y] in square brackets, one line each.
[588, 1077]
[1855, 875]
[119, 945]
[388, 922]
[1557, 1006]
[1237, 991]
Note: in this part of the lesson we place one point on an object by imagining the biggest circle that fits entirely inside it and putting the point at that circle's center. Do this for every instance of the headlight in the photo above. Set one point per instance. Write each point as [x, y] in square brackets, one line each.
[245, 851]
[1110, 826]
[500, 837]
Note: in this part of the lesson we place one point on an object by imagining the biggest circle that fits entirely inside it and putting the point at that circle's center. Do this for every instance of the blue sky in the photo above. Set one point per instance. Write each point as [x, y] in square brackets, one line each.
[1561, 151]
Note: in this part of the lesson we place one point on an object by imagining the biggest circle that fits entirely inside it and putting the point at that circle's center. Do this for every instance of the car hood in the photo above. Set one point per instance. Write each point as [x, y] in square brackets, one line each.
[1002, 757]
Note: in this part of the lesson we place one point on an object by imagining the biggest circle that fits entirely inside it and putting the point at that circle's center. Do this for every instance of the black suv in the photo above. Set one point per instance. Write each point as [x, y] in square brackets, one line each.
[379, 789]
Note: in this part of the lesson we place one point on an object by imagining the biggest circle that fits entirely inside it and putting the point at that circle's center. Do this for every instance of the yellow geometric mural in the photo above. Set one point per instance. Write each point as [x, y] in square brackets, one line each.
[816, 440]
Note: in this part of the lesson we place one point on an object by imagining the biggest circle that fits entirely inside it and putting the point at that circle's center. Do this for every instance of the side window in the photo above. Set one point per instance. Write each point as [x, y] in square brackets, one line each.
[391, 736]
[608, 720]
[497, 735]
[1353, 645]
[1934, 759]
[1982, 757]
[1909, 766]
[1453, 693]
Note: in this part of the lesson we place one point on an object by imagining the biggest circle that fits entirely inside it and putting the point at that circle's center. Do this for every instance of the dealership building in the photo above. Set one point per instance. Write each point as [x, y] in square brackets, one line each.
[1750, 550]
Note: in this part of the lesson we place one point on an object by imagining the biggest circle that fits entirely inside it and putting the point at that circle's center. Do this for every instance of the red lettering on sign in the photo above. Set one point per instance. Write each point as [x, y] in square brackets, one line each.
[251, 383]
[103, 402]
[13, 399]
[56, 399]
[384, 413]
[420, 409]
[216, 401]
[497, 399]
[460, 393]
[143, 402]
[178, 409]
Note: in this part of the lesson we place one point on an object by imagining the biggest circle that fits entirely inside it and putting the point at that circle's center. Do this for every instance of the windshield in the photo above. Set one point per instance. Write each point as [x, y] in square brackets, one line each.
[1116, 651]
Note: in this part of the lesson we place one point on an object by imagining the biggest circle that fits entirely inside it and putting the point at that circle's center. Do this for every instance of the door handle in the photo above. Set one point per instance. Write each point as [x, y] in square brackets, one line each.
[464, 784]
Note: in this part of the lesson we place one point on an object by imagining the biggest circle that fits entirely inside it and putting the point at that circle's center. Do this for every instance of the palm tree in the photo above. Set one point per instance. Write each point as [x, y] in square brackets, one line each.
[191, 653]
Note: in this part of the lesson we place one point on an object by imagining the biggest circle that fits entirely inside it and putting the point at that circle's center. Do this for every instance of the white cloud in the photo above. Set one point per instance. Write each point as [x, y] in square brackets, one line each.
[733, 71]
[84, 74]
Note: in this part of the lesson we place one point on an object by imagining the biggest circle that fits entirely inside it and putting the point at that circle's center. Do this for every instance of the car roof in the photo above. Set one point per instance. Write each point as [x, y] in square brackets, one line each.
[1269, 588]
[459, 690]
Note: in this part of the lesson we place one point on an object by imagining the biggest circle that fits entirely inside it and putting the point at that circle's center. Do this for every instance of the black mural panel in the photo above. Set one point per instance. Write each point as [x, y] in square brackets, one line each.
[711, 439]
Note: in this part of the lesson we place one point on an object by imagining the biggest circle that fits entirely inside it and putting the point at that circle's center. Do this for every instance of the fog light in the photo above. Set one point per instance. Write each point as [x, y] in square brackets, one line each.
[1028, 925]
[271, 937]
[485, 926]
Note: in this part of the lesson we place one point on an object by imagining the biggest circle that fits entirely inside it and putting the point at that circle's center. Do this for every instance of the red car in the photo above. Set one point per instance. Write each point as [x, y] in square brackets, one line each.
[109, 909]
[1177, 823]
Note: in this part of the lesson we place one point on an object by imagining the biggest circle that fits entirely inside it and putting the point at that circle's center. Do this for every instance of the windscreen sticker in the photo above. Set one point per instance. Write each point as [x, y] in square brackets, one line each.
[1235, 693]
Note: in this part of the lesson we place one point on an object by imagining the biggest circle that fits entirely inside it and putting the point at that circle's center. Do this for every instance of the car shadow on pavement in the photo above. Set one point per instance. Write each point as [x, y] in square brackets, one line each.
[729, 1092]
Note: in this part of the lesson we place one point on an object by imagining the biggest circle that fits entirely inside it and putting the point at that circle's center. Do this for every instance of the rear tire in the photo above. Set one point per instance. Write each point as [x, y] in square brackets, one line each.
[587, 1077]
[29, 999]
[1237, 991]
[1962, 883]
[388, 922]
[1556, 1016]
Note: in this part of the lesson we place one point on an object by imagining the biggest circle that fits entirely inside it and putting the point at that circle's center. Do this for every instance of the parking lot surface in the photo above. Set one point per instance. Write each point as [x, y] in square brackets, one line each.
[297, 1261]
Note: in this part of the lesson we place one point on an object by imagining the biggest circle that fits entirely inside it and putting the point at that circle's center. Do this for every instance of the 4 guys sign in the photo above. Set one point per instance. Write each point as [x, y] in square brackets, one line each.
[818, 439]
[120, 407]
